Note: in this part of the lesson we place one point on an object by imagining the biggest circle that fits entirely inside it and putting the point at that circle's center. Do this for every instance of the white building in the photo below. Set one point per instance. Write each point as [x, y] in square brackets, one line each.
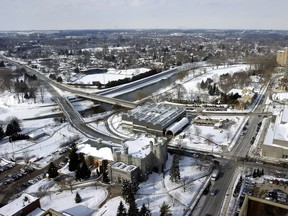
[276, 140]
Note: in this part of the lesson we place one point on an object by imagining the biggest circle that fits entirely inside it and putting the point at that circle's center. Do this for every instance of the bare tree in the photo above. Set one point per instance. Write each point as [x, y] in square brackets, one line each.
[197, 130]
[228, 134]
[42, 92]
[6, 80]
[180, 91]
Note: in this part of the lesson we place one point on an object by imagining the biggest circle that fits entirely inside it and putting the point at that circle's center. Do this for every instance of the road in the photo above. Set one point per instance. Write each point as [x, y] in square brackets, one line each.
[76, 120]
[213, 204]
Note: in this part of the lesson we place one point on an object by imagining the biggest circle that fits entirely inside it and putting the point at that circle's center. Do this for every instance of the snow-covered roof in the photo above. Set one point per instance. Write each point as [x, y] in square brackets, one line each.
[104, 153]
[123, 166]
[279, 129]
[177, 126]
[17, 204]
[234, 91]
[139, 147]
[284, 118]
[36, 134]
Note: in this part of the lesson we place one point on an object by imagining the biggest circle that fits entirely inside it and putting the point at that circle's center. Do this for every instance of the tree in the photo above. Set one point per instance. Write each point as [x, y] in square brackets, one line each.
[197, 130]
[13, 127]
[144, 211]
[165, 210]
[59, 79]
[78, 198]
[121, 211]
[77, 70]
[42, 92]
[2, 64]
[2, 134]
[82, 171]
[52, 170]
[73, 158]
[128, 190]
[6, 78]
[174, 170]
[180, 91]
[133, 210]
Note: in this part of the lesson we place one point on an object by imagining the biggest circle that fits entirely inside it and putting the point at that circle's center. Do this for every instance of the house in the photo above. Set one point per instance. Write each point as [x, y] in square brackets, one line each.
[247, 98]
[96, 153]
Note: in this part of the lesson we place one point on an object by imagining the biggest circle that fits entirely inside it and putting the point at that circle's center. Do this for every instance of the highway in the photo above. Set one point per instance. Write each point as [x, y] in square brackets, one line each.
[76, 120]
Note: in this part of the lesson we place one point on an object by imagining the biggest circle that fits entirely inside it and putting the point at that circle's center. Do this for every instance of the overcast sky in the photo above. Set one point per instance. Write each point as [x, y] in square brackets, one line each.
[140, 14]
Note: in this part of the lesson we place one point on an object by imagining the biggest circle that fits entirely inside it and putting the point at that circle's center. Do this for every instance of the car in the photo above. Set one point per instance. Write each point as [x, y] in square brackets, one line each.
[213, 192]
[269, 198]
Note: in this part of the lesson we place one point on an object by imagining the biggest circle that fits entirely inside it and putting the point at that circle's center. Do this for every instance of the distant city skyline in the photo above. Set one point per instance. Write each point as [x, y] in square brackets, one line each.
[143, 14]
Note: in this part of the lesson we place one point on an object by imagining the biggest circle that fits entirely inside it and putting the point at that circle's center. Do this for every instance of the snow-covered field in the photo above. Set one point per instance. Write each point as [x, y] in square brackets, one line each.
[111, 75]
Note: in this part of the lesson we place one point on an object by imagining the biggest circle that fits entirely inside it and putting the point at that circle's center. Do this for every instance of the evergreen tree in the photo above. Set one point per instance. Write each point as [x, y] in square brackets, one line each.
[133, 210]
[13, 127]
[144, 211]
[83, 171]
[2, 64]
[78, 198]
[105, 177]
[127, 191]
[174, 170]
[52, 170]
[2, 134]
[59, 79]
[165, 210]
[121, 211]
[73, 159]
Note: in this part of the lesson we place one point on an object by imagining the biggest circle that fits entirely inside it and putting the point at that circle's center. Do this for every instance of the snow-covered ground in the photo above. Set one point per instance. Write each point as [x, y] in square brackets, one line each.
[156, 190]
[153, 192]
[111, 75]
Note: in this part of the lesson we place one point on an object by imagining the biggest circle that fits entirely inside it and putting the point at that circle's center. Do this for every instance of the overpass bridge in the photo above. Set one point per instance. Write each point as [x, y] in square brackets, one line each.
[105, 99]
[113, 101]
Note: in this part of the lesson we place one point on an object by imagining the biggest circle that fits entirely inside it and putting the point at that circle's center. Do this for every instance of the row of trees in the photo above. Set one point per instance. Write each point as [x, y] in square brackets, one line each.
[144, 210]
[134, 78]
[129, 190]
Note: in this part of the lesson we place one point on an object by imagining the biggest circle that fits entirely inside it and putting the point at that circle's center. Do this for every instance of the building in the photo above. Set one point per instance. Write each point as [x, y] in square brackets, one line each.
[138, 158]
[282, 57]
[276, 141]
[23, 205]
[96, 153]
[247, 97]
[253, 206]
[152, 118]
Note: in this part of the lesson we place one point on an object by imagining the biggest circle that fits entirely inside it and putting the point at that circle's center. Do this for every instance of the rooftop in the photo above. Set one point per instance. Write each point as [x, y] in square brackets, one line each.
[17, 204]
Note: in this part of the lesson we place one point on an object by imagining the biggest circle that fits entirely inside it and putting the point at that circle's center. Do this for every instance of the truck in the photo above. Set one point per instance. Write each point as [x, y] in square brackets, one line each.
[215, 174]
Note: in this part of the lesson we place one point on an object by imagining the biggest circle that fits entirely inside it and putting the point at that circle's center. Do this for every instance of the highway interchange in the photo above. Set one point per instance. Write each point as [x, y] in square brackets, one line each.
[229, 162]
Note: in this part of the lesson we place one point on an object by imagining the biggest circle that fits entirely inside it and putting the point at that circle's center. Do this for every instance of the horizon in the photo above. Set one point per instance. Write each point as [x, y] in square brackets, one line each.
[144, 29]
[143, 14]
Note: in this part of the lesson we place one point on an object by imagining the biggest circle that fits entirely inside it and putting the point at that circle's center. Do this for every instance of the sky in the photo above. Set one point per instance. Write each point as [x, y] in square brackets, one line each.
[143, 14]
